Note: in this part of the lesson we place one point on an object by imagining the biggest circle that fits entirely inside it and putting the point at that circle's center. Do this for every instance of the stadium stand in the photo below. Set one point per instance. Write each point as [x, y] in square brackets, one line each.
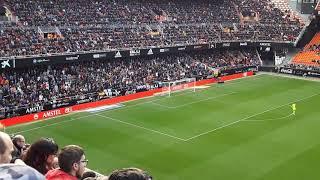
[314, 42]
[105, 25]
[310, 55]
[284, 6]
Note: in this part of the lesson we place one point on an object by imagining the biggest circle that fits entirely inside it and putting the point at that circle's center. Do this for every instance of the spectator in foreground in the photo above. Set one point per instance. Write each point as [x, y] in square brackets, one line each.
[19, 172]
[6, 148]
[41, 155]
[88, 174]
[19, 145]
[55, 163]
[129, 174]
[72, 164]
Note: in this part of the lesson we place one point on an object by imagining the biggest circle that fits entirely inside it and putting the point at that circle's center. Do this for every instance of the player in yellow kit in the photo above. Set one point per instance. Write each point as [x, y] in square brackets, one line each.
[294, 108]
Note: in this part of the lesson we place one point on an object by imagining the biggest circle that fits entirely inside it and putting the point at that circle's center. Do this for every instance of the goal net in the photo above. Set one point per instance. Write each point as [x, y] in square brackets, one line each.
[176, 86]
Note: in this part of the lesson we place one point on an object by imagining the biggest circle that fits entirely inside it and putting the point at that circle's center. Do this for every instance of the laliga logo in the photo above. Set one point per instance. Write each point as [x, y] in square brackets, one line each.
[36, 116]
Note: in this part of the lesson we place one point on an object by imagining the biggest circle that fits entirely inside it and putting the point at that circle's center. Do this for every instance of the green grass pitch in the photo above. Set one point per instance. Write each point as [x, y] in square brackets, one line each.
[242, 130]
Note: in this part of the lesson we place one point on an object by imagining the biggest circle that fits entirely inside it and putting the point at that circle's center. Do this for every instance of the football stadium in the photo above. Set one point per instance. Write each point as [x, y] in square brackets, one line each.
[170, 90]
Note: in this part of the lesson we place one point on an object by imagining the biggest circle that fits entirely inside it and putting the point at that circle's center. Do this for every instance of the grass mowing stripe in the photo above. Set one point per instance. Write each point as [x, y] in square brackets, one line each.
[262, 120]
[194, 102]
[244, 151]
[52, 124]
[181, 139]
[235, 122]
[141, 127]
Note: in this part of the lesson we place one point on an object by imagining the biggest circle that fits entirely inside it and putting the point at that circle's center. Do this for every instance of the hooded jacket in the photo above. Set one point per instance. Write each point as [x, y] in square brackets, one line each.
[57, 174]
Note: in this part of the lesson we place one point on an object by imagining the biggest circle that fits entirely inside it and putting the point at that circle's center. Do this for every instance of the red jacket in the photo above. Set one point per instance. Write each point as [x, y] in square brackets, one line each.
[58, 174]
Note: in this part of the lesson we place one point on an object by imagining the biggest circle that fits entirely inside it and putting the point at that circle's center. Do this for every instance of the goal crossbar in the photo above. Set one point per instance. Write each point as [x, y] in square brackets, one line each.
[179, 85]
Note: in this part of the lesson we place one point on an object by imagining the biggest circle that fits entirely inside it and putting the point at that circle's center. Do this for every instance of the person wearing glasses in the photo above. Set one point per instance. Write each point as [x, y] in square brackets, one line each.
[72, 164]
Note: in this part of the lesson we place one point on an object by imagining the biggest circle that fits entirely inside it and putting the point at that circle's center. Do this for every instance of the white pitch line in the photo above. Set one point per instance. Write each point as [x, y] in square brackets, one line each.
[161, 105]
[275, 119]
[235, 122]
[141, 127]
[73, 119]
[230, 82]
[193, 102]
[52, 124]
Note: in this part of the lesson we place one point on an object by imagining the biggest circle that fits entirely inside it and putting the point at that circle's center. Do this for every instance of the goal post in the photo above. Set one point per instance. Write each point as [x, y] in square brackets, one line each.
[179, 85]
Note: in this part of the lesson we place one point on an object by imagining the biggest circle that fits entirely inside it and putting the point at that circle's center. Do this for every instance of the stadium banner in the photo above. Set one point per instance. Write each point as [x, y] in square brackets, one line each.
[267, 68]
[313, 74]
[244, 44]
[286, 70]
[238, 70]
[30, 61]
[36, 116]
[234, 44]
[49, 106]
[299, 72]
[25, 110]
[78, 107]
[62, 59]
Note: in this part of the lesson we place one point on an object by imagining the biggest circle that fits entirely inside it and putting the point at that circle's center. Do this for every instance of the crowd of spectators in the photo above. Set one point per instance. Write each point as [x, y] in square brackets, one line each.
[21, 42]
[44, 160]
[47, 84]
[263, 33]
[108, 25]
[83, 13]
[265, 12]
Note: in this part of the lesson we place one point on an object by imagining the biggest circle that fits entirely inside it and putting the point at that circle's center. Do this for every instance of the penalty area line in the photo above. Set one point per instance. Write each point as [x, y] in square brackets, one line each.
[141, 127]
[246, 118]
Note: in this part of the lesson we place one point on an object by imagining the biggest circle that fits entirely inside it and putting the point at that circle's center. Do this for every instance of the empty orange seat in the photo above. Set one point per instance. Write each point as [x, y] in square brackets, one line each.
[307, 56]
[314, 40]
